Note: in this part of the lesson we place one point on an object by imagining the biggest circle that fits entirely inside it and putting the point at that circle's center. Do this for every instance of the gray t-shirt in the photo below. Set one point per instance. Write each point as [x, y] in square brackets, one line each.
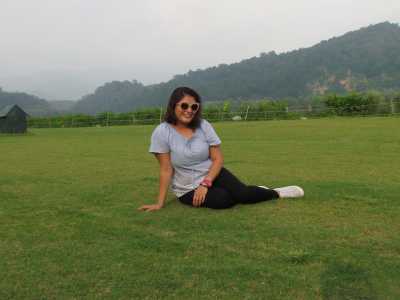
[190, 158]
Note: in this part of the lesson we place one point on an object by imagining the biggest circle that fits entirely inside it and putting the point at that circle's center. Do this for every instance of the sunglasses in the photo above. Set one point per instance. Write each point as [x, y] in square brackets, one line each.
[185, 106]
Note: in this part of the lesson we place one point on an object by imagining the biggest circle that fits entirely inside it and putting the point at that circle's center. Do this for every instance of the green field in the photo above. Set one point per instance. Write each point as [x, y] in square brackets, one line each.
[70, 226]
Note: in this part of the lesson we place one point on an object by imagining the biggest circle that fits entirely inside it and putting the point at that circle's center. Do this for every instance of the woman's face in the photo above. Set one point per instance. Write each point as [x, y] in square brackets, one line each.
[186, 109]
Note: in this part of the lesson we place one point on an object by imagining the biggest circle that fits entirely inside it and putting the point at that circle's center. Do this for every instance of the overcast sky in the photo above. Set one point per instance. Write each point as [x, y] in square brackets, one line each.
[63, 49]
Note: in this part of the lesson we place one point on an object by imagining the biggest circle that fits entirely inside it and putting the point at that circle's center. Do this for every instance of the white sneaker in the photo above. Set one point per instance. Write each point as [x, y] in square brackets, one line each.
[263, 187]
[292, 191]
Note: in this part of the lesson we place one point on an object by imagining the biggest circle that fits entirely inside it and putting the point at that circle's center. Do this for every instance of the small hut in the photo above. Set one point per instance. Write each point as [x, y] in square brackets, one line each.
[13, 119]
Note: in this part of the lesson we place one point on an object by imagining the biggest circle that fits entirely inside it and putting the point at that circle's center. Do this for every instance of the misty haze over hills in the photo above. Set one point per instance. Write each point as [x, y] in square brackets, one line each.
[64, 50]
[368, 58]
[50, 83]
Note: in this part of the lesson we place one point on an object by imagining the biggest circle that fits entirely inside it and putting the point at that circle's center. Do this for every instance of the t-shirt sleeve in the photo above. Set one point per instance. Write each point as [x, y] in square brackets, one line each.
[159, 140]
[211, 135]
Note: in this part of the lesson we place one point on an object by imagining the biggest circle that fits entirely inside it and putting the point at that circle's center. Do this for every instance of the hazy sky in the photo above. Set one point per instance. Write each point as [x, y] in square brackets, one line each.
[63, 49]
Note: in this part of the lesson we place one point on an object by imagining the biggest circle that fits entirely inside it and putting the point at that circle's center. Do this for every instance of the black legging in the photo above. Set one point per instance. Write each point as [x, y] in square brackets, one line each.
[227, 191]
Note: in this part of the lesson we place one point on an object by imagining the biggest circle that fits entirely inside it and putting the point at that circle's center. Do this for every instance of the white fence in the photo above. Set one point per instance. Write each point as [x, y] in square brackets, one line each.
[384, 109]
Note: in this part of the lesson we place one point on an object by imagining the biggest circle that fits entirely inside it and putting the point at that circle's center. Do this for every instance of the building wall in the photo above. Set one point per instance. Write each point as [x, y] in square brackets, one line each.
[13, 124]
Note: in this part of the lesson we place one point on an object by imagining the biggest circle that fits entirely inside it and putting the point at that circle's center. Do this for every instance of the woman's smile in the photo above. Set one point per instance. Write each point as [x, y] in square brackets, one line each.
[184, 111]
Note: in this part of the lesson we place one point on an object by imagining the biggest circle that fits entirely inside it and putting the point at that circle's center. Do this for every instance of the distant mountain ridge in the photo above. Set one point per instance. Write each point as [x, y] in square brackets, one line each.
[368, 58]
[33, 105]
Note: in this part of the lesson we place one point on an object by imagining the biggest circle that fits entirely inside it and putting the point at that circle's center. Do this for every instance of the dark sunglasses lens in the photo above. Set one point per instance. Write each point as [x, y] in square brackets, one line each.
[184, 106]
[195, 107]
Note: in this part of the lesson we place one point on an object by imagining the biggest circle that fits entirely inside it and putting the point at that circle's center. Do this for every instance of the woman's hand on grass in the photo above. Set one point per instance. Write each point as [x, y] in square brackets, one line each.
[150, 207]
[199, 195]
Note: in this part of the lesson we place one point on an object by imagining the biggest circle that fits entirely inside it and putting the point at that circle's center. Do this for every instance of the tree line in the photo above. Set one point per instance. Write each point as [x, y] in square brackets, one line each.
[351, 104]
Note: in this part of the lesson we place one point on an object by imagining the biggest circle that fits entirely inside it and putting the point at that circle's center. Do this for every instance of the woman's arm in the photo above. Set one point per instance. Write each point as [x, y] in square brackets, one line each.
[166, 172]
[217, 162]
[216, 166]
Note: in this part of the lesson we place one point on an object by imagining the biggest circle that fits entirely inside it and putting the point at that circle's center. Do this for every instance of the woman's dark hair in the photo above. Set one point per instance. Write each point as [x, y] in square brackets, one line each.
[176, 96]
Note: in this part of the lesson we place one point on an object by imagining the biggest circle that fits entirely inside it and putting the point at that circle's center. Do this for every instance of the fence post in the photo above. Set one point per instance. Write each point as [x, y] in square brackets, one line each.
[392, 109]
[107, 119]
[247, 111]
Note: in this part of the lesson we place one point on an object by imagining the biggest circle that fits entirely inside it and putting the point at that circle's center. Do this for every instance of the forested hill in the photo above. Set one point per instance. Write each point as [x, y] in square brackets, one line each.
[33, 105]
[368, 58]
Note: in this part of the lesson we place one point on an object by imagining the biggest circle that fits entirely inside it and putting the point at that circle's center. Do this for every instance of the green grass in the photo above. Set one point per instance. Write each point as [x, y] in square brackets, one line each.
[70, 228]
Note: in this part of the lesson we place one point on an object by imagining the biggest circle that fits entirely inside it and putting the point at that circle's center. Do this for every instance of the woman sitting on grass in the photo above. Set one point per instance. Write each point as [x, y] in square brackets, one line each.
[188, 151]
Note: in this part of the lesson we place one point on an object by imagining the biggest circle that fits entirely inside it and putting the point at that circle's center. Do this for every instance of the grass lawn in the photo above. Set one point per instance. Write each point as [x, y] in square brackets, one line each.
[70, 228]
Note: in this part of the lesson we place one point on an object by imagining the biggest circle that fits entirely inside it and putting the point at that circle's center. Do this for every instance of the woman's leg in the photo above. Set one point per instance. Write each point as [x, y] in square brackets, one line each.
[240, 192]
[216, 198]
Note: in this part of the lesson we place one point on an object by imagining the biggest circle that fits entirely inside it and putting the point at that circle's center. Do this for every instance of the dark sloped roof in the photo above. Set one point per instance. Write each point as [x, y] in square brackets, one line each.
[5, 110]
